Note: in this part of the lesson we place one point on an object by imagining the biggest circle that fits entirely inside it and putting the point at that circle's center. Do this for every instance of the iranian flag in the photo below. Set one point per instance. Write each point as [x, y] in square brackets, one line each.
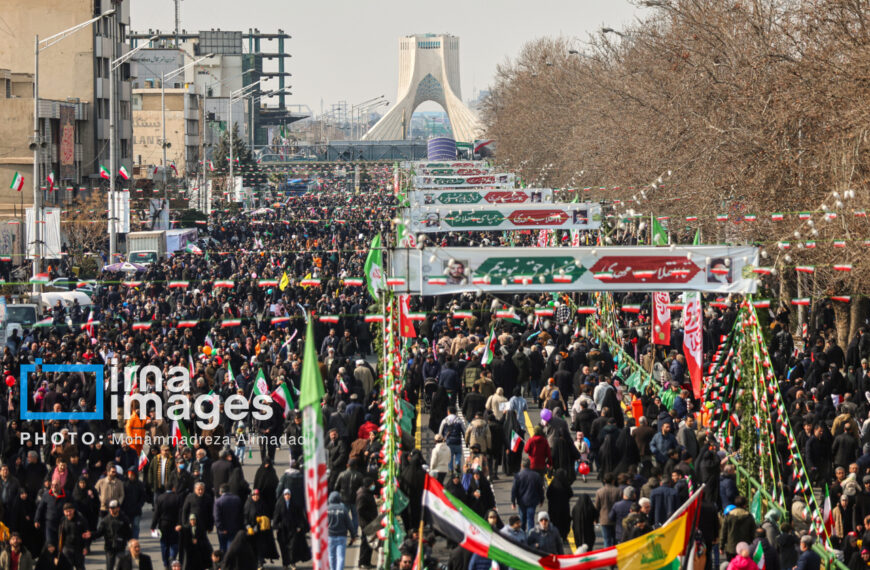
[516, 442]
[828, 515]
[89, 326]
[124, 173]
[489, 349]
[281, 394]
[460, 524]
[51, 180]
[226, 323]
[43, 323]
[179, 433]
[314, 451]
[758, 557]
[192, 248]
[179, 284]
[224, 284]
[692, 339]
[190, 364]
[142, 326]
[353, 281]
[17, 182]
[186, 324]
[104, 173]
[143, 460]
[40, 279]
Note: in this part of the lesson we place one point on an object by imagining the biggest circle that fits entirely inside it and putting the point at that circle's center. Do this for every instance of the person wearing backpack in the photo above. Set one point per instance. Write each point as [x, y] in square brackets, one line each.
[452, 429]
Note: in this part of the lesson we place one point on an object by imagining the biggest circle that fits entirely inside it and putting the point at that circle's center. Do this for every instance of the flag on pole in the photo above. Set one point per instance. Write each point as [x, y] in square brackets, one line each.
[374, 267]
[658, 234]
[516, 442]
[174, 170]
[192, 248]
[281, 394]
[89, 326]
[314, 451]
[661, 318]
[489, 349]
[17, 182]
[143, 460]
[104, 173]
[758, 556]
[124, 173]
[828, 515]
[692, 339]
[261, 387]
[179, 433]
[285, 282]
[190, 364]
[50, 179]
[697, 240]
[406, 325]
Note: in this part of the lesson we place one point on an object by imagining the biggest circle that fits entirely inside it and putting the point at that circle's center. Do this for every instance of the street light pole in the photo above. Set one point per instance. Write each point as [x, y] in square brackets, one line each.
[37, 144]
[235, 96]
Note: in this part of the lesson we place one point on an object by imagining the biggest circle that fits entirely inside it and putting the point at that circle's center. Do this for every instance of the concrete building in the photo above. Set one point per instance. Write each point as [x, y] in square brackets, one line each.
[73, 91]
[428, 71]
[183, 114]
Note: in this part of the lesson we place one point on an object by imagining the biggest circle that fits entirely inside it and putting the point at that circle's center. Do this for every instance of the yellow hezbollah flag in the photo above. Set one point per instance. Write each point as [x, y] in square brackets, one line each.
[656, 549]
[285, 281]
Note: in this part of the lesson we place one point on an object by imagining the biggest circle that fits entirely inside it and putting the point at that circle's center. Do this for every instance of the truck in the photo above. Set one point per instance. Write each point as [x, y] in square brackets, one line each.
[145, 248]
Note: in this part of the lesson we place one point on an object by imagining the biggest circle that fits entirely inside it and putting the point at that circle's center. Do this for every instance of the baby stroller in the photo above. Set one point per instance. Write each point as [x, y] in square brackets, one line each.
[430, 386]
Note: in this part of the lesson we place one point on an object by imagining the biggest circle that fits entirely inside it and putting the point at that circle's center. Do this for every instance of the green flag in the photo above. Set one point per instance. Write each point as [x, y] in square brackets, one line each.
[658, 235]
[374, 267]
[755, 507]
[697, 240]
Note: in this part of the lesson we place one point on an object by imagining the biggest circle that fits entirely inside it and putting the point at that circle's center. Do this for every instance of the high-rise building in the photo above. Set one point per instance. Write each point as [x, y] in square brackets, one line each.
[73, 92]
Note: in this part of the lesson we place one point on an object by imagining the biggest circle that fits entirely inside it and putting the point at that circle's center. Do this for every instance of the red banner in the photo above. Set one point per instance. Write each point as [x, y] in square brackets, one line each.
[693, 342]
[661, 318]
[406, 325]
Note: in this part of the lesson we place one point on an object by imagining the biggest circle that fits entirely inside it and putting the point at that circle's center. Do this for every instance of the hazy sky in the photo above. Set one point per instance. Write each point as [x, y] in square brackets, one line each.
[347, 49]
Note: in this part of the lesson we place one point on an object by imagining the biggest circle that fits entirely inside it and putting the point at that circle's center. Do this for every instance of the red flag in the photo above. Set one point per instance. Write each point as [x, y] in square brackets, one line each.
[661, 318]
[693, 344]
[406, 325]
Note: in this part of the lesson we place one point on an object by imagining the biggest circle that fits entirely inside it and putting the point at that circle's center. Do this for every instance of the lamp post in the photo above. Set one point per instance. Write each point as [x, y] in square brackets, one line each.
[236, 96]
[366, 108]
[113, 168]
[37, 145]
[353, 115]
[164, 144]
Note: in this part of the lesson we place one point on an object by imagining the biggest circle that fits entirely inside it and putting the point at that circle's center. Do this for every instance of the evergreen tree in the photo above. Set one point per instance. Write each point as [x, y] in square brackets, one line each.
[240, 149]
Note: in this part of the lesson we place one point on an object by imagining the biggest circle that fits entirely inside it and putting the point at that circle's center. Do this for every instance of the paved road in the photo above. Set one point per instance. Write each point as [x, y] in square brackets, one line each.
[501, 488]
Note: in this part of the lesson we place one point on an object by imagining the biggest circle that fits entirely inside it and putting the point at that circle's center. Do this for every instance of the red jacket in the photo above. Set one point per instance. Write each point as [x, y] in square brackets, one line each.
[538, 450]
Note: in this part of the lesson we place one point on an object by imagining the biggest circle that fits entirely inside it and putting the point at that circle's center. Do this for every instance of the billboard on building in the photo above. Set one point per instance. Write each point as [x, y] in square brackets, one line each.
[67, 137]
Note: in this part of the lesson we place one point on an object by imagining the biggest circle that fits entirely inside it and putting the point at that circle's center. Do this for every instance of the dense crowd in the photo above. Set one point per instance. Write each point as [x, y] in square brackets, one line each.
[60, 492]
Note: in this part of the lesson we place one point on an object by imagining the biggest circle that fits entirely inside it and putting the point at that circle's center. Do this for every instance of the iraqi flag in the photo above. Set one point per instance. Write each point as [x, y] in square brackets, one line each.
[516, 442]
[661, 318]
[406, 325]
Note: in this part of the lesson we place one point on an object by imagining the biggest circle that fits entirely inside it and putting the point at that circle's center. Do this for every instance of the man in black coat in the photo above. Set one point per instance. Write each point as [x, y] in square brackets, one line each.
[167, 511]
[474, 402]
[201, 504]
[116, 531]
[133, 559]
[74, 535]
[227, 516]
[220, 471]
[134, 499]
[367, 509]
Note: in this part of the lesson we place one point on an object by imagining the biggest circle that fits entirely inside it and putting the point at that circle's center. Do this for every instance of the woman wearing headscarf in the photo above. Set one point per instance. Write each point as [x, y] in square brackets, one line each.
[627, 451]
[583, 518]
[411, 481]
[496, 447]
[86, 501]
[291, 526]
[438, 409]
[517, 404]
[494, 520]
[266, 480]
[495, 402]
[512, 458]
[559, 495]
[258, 524]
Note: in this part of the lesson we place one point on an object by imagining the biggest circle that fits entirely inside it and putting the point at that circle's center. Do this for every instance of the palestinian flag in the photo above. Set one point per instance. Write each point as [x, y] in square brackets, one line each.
[227, 323]
[462, 525]
[142, 326]
[17, 182]
[489, 349]
[281, 394]
[516, 442]
[226, 284]
[186, 324]
[123, 172]
[178, 284]
[192, 248]
[104, 173]
[143, 458]
[43, 323]
[353, 281]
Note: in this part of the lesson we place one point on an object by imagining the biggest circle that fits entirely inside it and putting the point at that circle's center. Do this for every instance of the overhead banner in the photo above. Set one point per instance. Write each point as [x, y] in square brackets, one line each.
[579, 216]
[449, 270]
[495, 180]
[459, 171]
[422, 165]
[436, 197]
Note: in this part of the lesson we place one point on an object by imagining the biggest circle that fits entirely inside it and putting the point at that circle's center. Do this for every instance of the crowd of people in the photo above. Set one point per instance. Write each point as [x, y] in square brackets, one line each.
[61, 493]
